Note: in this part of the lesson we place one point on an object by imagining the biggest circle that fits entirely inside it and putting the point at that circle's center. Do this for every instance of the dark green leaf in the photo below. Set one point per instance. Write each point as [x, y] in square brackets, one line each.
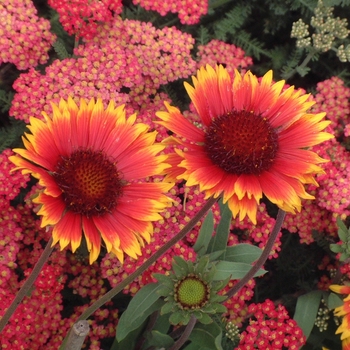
[159, 340]
[334, 300]
[205, 234]
[140, 307]
[306, 311]
[219, 241]
[129, 342]
[207, 336]
[245, 253]
[234, 270]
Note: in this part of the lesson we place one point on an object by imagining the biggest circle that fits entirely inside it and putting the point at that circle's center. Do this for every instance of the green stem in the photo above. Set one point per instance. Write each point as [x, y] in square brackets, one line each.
[263, 257]
[307, 59]
[27, 284]
[186, 333]
[114, 291]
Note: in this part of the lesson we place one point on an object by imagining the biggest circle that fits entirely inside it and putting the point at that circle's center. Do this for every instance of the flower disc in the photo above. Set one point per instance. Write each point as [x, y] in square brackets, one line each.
[241, 143]
[89, 182]
[191, 292]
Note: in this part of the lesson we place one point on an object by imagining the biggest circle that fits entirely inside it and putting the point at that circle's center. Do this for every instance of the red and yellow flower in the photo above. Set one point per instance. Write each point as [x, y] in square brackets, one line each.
[92, 163]
[344, 312]
[252, 140]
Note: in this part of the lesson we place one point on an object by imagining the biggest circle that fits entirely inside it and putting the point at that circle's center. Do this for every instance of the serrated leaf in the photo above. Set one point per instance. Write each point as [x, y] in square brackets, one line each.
[219, 241]
[205, 234]
[306, 311]
[140, 307]
[245, 253]
[207, 336]
[334, 300]
[234, 270]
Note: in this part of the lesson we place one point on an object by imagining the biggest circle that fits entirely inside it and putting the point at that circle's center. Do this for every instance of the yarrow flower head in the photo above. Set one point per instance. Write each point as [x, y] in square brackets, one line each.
[92, 163]
[191, 290]
[251, 141]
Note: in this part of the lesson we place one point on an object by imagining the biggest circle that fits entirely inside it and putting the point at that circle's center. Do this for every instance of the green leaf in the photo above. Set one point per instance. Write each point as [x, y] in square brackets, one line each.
[334, 300]
[129, 342]
[140, 307]
[336, 248]
[207, 336]
[219, 241]
[306, 311]
[205, 234]
[158, 340]
[245, 253]
[343, 232]
[215, 255]
[179, 317]
[234, 270]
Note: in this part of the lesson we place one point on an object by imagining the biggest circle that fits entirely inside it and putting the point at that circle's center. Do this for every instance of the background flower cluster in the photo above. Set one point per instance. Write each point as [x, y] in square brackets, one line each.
[139, 53]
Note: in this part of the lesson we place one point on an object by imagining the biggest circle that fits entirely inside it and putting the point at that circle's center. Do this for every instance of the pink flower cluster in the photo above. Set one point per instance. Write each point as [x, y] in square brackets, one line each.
[10, 181]
[189, 11]
[25, 39]
[311, 217]
[126, 62]
[334, 191]
[219, 52]
[333, 97]
[270, 327]
[82, 18]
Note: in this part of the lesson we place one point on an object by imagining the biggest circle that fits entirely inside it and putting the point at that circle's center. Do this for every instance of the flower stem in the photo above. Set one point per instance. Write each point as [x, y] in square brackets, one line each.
[27, 284]
[186, 333]
[263, 257]
[114, 291]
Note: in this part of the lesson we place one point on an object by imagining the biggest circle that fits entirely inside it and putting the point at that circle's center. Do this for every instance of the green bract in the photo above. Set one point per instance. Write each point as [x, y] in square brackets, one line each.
[191, 290]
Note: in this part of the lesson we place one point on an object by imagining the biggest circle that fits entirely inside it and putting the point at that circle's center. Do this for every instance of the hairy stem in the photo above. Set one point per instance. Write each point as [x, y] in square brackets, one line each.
[186, 333]
[263, 257]
[27, 284]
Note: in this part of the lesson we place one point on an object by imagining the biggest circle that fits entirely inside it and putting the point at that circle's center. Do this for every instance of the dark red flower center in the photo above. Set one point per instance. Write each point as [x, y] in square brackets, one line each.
[241, 143]
[89, 181]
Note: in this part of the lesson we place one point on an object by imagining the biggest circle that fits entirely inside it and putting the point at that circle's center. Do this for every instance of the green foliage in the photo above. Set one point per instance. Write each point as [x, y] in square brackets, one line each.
[292, 62]
[252, 46]
[203, 36]
[344, 236]
[219, 241]
[5, 100]
[205, 234]
[306, 311]
[60, 49]
[244, 253]
[140, 307]
[233, 270]
[206, 337]
[233, 20]
[11, 134]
